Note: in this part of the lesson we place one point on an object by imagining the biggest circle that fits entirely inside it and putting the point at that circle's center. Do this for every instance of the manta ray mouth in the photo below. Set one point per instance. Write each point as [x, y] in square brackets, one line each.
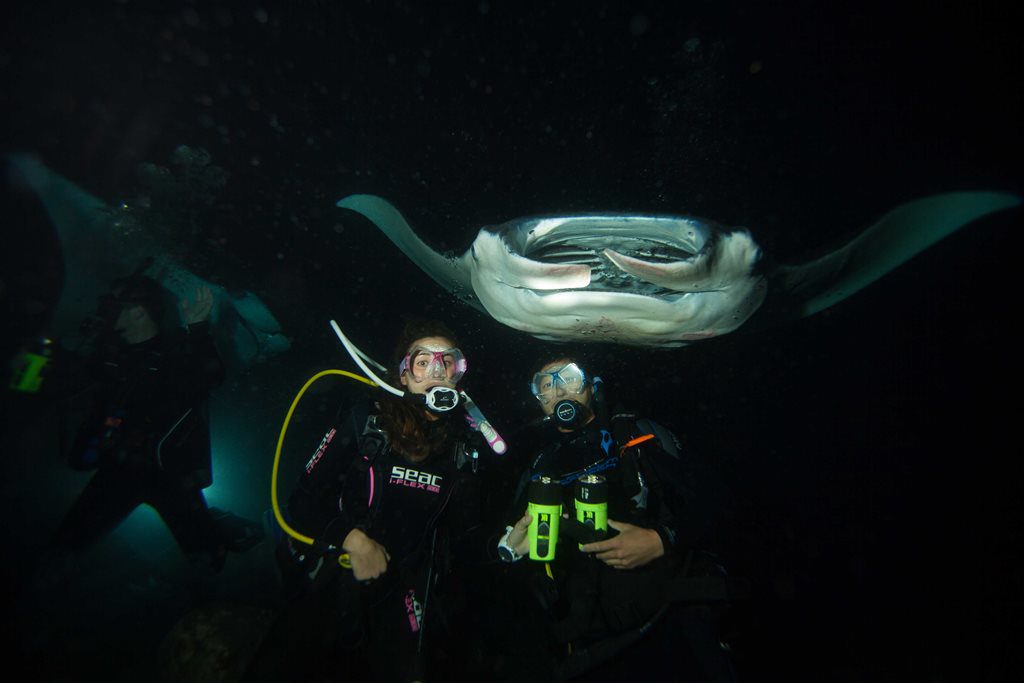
[651, 256]
[618, 264]
[605, 275]
[647, 255]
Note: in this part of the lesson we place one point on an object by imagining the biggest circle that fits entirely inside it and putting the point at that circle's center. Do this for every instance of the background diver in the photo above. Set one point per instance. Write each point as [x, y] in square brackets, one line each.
[146, 427]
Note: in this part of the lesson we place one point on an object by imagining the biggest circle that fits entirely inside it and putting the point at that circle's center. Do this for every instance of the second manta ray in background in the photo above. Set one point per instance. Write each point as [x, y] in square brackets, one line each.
[661, 280]
[95, 252]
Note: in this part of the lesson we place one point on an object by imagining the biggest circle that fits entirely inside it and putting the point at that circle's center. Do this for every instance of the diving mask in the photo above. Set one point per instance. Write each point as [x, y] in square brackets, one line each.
[425, 363]
[570, 378]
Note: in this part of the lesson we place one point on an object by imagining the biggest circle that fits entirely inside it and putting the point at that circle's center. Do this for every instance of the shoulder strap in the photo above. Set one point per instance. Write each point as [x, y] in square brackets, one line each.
[624, 429]
[372, 440]
[666, 439]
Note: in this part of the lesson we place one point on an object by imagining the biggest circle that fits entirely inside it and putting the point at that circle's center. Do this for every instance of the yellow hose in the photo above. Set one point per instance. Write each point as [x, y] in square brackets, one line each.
[343, 558]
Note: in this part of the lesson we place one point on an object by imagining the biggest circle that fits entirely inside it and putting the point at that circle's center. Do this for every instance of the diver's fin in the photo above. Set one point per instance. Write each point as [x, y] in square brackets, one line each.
[895, 238]
[447, 272]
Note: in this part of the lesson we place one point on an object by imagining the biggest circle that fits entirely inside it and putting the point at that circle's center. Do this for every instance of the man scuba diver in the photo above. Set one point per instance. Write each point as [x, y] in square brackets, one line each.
[613, 531]
[147, 432]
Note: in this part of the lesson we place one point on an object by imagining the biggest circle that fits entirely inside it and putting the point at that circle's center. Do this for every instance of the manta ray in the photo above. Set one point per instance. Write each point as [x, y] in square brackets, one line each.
[662, 280]
[95, 252]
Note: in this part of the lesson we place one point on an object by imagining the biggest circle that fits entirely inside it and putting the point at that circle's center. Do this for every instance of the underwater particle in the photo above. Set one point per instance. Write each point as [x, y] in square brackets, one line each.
[255, 160]
[639, 24]
[280, 256]
[692, 45]
[755, 67]
[338, 228]
[260, 15]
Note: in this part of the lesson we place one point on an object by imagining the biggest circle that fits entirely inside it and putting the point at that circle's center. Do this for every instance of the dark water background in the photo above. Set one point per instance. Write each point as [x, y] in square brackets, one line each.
[869, 447]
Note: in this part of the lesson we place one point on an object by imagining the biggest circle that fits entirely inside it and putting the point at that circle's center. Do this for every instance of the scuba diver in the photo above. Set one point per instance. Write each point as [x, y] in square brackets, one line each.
[146, 433]
[392, 496]
[613, 530]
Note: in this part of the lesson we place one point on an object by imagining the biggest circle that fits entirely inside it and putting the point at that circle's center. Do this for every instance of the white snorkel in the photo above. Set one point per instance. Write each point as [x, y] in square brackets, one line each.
[358, 357]
[439, 399]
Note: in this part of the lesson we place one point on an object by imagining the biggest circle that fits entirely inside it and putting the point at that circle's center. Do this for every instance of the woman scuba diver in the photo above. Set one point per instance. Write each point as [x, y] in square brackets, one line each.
[395, 501]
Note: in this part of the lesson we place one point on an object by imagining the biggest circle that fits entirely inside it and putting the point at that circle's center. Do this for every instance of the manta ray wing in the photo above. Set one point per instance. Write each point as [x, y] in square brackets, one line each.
[450, 273]
[94, 255]
[569, 278]
[895, 238]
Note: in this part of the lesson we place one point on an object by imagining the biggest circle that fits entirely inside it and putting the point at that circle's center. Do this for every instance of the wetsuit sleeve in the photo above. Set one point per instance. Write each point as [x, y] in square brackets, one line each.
[680, 515]
[519, 500]
[362, 488]
[314, 501]
[201, 361]
[191, 369]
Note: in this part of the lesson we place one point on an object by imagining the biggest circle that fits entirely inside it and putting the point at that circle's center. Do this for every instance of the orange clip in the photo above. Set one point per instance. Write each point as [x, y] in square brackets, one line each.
[634, 442]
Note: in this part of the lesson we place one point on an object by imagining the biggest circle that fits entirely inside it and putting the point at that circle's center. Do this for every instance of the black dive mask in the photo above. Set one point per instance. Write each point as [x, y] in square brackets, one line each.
[570, 414]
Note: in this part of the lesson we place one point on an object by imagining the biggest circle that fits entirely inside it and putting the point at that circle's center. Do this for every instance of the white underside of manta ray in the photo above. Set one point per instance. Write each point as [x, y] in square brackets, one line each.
[662, 280]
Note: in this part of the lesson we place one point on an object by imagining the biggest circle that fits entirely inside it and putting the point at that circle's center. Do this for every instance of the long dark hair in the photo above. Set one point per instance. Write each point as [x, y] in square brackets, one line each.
[410, 432]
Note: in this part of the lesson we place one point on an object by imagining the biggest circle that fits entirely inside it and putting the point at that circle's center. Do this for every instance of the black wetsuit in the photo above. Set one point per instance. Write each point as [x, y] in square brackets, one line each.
[148, 438]
[419, 511]
[597, 612]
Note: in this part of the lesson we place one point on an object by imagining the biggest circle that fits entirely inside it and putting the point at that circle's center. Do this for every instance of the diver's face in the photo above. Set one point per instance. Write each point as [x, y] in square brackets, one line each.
[134, 324]
[429, 365]
[552, 389]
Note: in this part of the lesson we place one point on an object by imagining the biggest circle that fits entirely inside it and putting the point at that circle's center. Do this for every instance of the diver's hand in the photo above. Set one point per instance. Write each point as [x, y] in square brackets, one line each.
[634, 546]
[198, 310]
[369, 559]
[518, 539]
